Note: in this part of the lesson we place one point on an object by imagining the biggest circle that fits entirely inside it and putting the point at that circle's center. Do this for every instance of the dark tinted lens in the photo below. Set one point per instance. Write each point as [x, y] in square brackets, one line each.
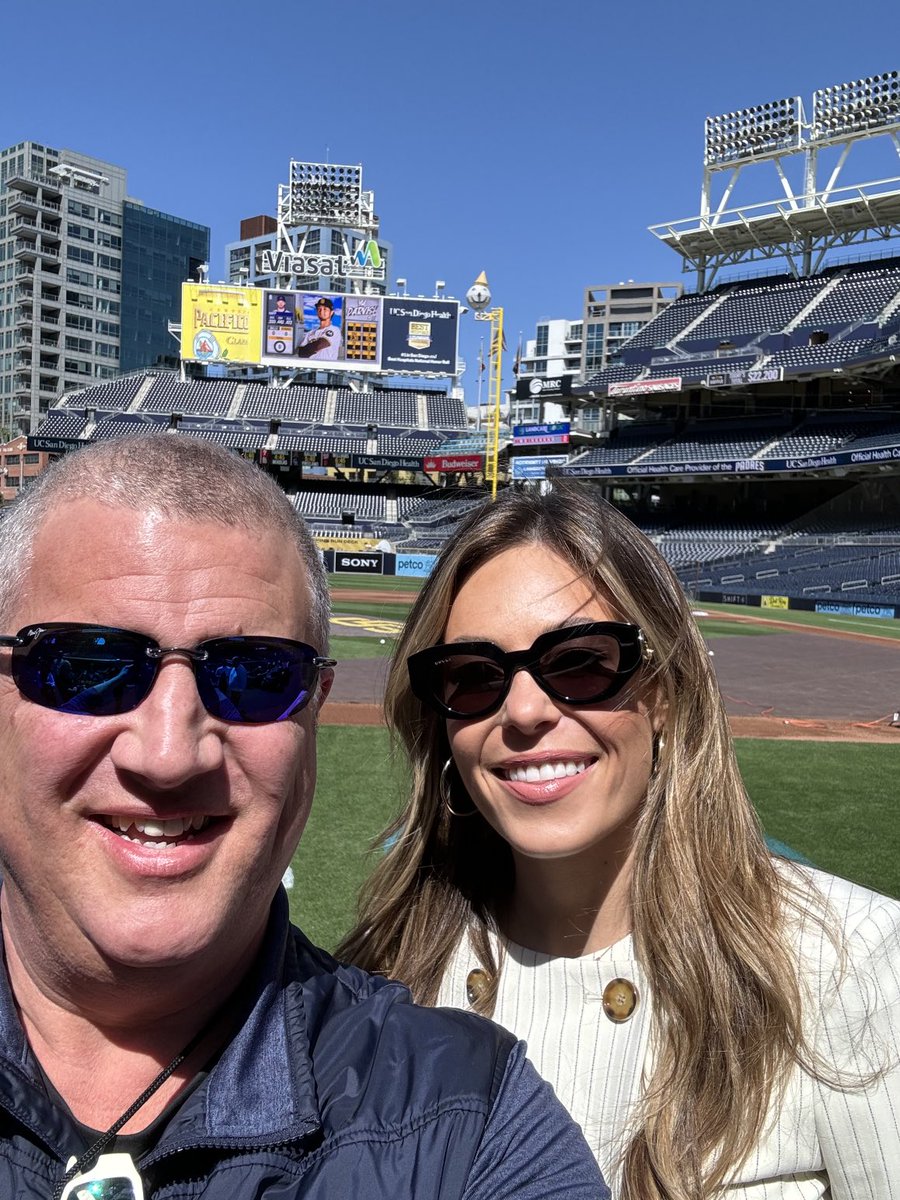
[94, 671]
[255, 679]
[468, 683]
[583, 669]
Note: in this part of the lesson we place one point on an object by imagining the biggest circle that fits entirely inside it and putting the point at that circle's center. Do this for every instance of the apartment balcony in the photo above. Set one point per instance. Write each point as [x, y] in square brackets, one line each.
[32, 181]
[49, 251]
[25, 226]
[24, 316]
[51, 297]
[22, 337]
[48, 319]
[23, 202]
[24, 270]
[25, 251]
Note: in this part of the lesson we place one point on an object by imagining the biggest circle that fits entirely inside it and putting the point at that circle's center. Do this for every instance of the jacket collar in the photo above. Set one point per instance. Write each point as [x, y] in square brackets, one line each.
[259, 1092]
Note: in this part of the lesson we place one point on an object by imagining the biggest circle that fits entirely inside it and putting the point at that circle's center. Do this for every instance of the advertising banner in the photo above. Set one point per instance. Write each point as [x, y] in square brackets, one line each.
[543, 385]
[644, 387]
[417, 566]
[740, 466]
[855, 610]
[537, 435]
[220, 323]
[420, 335]
[774, 602]
[453, 464]
[386, 462]
[724, 379]
[535, 466]
[52, 445]
[358, 562]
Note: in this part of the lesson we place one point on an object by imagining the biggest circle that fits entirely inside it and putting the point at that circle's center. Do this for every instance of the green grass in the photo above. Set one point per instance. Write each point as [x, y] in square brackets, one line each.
[359, 791]
[343, 648]
[376, 609]
[834, 802]
[711, 628]
[379, 583]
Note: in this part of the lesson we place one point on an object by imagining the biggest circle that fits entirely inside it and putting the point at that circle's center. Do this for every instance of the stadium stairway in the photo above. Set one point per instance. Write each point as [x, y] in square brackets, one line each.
[236, 401]
[700, 317]
[141, 394]
[814, 303]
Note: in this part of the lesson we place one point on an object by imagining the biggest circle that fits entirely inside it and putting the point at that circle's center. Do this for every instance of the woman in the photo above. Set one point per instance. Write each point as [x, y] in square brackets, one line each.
[579, 859]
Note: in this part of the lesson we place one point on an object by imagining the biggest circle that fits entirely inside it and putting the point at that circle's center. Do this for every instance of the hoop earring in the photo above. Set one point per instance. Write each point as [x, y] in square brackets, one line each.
[444, 792]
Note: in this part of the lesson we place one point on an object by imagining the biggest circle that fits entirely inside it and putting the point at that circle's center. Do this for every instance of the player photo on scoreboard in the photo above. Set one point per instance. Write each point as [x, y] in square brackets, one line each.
[327, 330]
[280, 320]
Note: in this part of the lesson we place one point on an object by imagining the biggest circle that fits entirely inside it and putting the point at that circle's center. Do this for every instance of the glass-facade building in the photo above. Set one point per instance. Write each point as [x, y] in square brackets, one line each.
[159, 252]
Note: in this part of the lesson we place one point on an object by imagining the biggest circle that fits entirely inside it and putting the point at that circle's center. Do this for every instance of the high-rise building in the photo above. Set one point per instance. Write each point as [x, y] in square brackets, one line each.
[89, 277]
[614, 312]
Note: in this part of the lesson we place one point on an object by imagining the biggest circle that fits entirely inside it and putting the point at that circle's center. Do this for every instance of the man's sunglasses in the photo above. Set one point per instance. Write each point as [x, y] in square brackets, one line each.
[580, 664]
[102, 672]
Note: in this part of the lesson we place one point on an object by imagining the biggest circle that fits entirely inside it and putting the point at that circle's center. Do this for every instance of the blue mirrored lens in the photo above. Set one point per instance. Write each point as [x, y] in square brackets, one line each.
[255, 679]
[91, 670]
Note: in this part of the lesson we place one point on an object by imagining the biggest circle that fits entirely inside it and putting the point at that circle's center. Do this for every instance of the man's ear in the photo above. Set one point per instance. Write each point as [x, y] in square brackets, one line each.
[326, 679]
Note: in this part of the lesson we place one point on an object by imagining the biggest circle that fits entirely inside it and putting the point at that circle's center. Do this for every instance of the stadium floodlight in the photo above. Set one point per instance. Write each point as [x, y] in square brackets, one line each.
[864, 105]
[761, 131]
[326, 194]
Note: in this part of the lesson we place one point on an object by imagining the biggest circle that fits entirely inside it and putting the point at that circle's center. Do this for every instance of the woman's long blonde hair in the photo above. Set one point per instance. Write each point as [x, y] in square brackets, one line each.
[709, 907]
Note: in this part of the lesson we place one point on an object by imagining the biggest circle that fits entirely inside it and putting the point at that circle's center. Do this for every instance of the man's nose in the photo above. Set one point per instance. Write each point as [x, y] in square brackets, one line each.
[170, 738]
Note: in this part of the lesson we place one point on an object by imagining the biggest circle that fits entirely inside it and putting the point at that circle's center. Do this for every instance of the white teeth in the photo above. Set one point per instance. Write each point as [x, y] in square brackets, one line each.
[546, 771]
[174, 827]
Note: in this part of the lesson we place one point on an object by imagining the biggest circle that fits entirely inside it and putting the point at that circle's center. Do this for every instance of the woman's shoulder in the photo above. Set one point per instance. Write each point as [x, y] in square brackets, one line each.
[846, 938]
[857, 912]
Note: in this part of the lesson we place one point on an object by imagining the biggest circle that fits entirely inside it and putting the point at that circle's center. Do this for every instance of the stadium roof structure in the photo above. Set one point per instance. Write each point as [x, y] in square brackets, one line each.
[810, 220]
[788, 228]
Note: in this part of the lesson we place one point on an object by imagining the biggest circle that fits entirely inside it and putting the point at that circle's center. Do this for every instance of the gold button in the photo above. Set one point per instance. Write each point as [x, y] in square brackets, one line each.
[476, 985]
[620, 999]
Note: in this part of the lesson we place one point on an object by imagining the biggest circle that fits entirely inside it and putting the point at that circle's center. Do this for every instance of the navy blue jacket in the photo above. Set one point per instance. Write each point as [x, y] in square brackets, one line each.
[336, 1087]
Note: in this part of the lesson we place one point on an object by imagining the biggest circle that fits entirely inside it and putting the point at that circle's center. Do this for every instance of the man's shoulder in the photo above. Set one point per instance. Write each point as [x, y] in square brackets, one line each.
[354, 1018]
[342, 987]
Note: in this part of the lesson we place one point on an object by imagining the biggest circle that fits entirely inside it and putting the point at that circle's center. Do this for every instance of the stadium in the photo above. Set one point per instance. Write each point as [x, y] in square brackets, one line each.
[752, 428]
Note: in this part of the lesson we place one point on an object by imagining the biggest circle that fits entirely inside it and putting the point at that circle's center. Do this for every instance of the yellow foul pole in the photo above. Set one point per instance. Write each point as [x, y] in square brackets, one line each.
[496, 394]
[479, 296]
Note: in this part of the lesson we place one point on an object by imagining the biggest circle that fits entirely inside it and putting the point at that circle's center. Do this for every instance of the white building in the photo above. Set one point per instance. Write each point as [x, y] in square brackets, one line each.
[89, 277]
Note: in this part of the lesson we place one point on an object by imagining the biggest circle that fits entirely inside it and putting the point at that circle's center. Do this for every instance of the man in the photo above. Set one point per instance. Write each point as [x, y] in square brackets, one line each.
[323, 341]
[164, 1031]
[280, 327]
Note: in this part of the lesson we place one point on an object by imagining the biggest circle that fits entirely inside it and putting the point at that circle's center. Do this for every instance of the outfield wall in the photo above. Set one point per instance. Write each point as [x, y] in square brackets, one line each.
[378, 562]
[841, 607]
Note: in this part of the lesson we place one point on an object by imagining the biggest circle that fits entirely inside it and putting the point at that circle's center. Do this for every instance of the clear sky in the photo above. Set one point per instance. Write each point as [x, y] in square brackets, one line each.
[536, 141]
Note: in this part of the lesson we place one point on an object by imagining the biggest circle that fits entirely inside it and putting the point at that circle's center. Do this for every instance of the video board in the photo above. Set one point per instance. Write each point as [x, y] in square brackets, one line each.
[332, 331]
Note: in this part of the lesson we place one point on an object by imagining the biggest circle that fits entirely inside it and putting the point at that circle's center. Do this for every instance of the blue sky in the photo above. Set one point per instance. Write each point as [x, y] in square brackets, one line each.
[536, 141]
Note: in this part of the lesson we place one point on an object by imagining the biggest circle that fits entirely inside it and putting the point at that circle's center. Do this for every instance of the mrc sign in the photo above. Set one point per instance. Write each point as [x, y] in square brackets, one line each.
[365, 262]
